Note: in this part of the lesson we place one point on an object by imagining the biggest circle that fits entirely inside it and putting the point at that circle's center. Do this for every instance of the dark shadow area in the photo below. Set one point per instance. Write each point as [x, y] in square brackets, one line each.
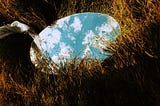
[15, 49]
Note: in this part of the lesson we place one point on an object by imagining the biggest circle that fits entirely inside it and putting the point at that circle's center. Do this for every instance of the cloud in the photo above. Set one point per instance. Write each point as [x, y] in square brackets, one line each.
[56, 59]
[65, 50]
[62, 23]
[63, 55]
[104, 29]
[72, 38]
[88, 38]
[112, 22]
[76, 24]
[49, 38]
[87, 51]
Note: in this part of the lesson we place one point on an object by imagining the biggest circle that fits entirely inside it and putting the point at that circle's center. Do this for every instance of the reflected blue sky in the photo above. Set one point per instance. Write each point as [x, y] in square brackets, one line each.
[79, 35]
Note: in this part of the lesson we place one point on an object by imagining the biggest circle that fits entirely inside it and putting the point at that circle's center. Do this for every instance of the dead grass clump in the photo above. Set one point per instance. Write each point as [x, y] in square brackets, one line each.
[129, 77]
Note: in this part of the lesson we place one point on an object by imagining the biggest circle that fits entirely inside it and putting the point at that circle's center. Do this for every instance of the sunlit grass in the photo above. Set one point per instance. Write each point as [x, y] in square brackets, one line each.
[124, 78]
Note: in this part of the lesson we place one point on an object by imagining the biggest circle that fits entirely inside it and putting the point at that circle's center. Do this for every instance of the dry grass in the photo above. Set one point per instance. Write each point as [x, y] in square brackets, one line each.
[130, 77]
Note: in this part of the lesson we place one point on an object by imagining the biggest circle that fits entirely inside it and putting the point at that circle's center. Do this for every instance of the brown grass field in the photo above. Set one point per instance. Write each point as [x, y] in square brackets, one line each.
[130, 77]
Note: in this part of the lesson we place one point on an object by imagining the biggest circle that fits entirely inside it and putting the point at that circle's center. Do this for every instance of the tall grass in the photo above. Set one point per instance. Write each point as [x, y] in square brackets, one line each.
[129, 77]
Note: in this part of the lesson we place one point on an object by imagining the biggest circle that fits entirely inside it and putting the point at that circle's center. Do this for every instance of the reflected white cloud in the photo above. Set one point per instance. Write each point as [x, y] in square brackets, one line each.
[65, 50]
[63, 55]
[56, 59]
[104, 29]
[71, 37]
[88, 38]
[87, 51]
[77, 25]
[62, 22]
[50, 38]
[112, 22]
